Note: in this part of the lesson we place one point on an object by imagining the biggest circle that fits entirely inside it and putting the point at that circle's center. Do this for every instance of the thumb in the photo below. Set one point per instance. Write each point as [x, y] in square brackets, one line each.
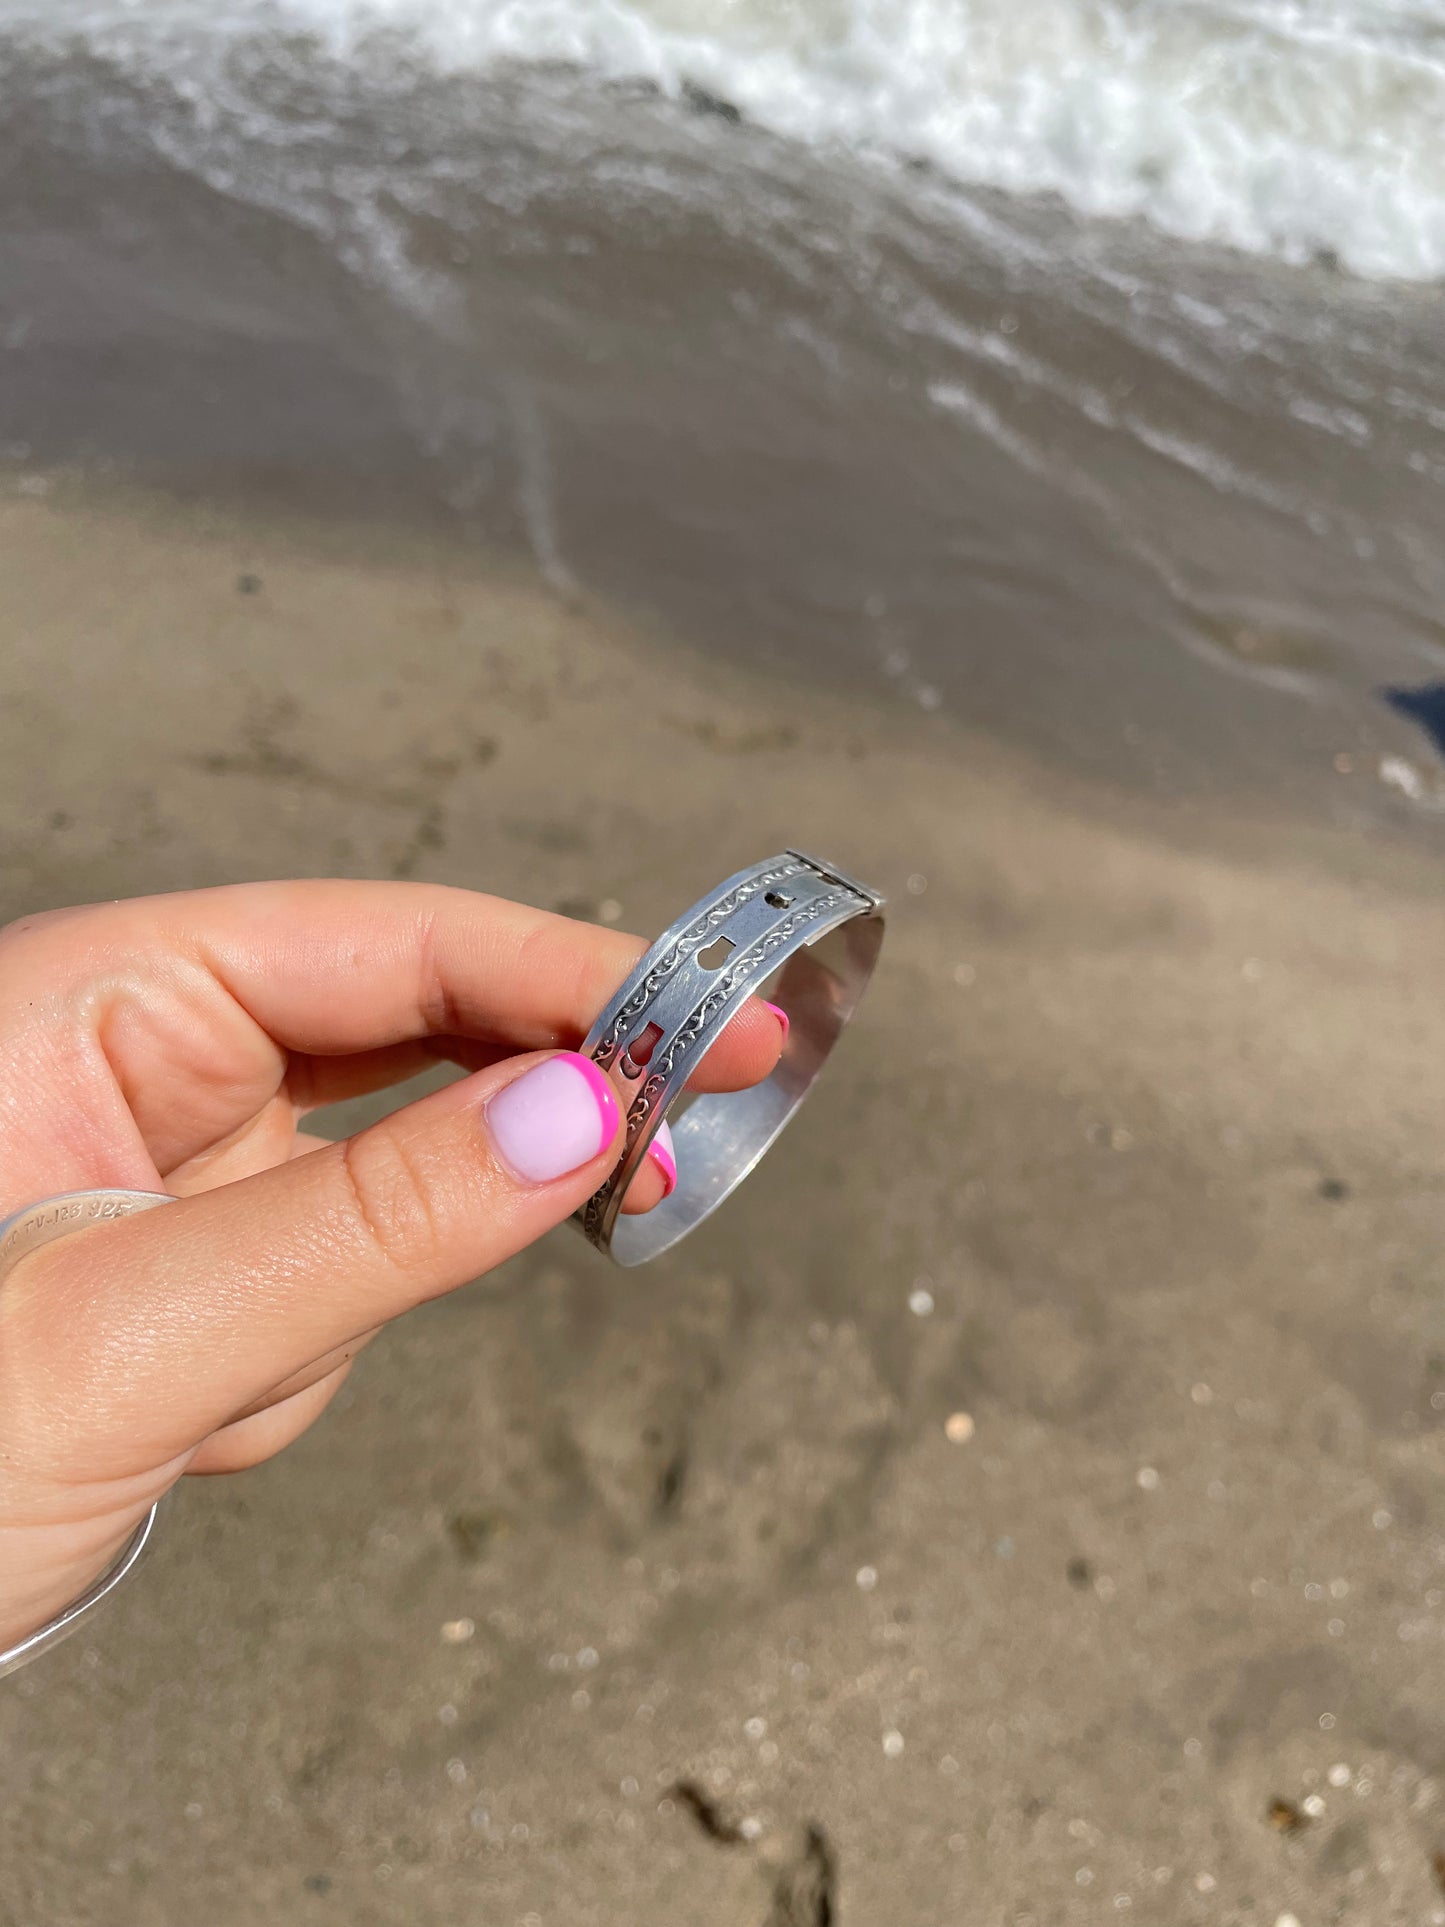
[124, 1347]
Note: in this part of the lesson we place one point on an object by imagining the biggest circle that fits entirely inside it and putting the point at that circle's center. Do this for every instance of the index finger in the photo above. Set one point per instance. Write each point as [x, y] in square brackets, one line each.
[333, 967]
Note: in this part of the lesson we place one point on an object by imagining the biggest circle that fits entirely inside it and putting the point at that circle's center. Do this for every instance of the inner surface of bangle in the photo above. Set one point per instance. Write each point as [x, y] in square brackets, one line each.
[719, 1137]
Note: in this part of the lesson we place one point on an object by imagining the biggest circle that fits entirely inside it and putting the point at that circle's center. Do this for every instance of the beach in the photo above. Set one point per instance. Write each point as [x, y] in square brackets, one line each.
[1016, 1505]
[571, 453]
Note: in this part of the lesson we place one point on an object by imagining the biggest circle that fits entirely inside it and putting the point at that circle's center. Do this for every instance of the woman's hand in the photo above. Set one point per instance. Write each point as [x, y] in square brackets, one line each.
[173, 1044]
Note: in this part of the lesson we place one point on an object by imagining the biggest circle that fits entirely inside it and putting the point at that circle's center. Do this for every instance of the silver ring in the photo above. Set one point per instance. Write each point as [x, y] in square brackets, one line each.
[21, 1233]
[806, 923]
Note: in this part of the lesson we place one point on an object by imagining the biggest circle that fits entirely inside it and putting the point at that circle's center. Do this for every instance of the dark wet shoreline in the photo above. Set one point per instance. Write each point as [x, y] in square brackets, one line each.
[1104, 497]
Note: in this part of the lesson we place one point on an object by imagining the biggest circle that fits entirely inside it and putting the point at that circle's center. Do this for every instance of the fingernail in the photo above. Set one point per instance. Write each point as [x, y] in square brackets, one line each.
[782, 1017]
[553, 1118]
[664, 1157]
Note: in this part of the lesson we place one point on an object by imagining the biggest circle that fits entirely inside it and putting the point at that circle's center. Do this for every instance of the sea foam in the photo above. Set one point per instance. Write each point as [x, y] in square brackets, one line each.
[1280, 127]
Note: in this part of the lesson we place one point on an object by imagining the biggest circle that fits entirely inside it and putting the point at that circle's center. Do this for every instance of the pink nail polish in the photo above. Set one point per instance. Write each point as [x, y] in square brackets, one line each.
[782, 1017]
[553, 1118]
[664, 1157]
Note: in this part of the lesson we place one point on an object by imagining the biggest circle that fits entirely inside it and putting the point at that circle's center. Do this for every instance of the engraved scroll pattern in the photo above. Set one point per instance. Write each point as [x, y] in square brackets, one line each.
[691, 940]
[739, 971]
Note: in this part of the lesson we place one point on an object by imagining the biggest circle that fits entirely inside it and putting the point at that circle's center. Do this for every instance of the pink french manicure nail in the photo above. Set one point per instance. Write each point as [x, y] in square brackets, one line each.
[553, 1118]
[782, 1017]
[664, 1157]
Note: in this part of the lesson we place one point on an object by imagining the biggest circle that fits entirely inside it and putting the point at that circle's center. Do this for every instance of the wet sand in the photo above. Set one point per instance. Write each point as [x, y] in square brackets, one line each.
[1020, 1505]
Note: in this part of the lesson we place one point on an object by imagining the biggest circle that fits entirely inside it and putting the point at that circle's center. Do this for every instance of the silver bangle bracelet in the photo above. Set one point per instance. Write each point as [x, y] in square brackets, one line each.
[805, 922]
[23, 1232]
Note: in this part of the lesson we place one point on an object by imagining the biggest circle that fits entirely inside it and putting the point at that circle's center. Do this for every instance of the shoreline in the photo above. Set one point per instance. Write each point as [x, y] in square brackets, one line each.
[1371, 817]
[1157, 513]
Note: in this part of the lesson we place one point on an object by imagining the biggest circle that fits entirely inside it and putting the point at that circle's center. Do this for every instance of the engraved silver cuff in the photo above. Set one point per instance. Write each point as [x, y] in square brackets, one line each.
[794, 919]
[23, 1232]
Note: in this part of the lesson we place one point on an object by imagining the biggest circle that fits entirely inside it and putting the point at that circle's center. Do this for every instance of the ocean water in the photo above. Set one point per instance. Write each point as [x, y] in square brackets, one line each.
[1076, 369]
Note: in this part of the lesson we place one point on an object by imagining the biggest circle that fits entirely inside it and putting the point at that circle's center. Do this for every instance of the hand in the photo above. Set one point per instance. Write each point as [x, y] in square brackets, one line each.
[173, 1044]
